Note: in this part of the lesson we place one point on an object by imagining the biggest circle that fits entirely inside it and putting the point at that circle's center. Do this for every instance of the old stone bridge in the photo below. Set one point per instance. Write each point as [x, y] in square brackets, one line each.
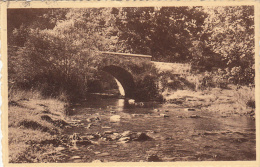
[125, 79]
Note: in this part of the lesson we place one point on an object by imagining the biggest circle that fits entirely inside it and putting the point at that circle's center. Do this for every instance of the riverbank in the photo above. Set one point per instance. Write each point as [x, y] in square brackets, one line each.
[228, 102]
[40, 131]
[32, 122]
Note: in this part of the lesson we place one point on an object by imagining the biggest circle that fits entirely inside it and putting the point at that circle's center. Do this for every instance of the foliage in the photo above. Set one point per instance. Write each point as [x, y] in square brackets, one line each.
[60, 53]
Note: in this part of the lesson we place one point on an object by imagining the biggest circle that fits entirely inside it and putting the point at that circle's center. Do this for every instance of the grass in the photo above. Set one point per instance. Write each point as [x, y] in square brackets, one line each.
[245, 97]
[225, 101]
[27, 122]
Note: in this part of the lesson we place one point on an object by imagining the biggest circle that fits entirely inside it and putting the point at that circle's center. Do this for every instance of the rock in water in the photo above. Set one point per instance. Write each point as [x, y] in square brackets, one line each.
[103, 154]
[164, 115]
[96, 161]
[142, 137]
[153, 158]
[108, 132]
[126, 133]
[124, 140]
[194, 116]
[112, 112]
[131, 101]
[190, 109]
[75, 157]
[83, 142]
[115, 118]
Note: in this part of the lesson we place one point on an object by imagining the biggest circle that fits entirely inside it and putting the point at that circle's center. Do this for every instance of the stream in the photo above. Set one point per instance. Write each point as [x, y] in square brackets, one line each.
[175, 134]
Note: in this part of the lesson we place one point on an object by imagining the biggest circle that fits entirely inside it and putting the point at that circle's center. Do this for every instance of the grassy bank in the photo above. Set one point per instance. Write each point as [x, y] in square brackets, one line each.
[32, 120]
[228, 101]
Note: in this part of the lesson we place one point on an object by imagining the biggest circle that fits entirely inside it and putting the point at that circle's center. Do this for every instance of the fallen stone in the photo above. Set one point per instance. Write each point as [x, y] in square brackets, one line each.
[97, 152]
[156, 110]
[115, 118]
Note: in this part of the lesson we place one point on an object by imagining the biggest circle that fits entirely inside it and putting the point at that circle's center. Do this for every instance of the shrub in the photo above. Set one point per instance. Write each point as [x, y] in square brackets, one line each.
[245, 97]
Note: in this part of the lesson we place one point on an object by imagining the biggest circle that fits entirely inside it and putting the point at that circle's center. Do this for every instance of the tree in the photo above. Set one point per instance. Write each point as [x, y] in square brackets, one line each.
[230, 32]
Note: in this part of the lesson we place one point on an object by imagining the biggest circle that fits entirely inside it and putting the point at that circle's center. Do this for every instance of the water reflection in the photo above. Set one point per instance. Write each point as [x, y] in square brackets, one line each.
[120, 104]
[178, 136]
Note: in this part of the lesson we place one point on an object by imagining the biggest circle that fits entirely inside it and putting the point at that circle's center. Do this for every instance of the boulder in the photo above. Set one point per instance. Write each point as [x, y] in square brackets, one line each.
[115, 118]
[140, 136]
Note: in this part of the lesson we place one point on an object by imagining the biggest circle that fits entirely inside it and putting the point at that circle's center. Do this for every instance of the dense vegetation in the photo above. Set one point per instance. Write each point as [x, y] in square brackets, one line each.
[55, 51]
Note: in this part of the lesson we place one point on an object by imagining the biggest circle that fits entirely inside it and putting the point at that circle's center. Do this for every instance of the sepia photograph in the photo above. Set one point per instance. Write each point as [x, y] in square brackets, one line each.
[131, 84]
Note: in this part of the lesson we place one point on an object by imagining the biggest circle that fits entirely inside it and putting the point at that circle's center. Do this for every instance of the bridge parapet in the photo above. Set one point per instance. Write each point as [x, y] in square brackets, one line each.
[175, 68]
[128, 56]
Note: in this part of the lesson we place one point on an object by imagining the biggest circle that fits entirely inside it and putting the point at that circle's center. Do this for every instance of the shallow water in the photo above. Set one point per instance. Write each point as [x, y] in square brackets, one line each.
[177, 137]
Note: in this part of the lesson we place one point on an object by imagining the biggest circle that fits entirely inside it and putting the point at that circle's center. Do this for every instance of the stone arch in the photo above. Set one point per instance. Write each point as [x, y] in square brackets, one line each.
[124, 77]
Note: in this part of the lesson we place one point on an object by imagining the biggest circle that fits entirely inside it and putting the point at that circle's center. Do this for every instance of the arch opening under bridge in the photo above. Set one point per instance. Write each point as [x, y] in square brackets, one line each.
[123, 78]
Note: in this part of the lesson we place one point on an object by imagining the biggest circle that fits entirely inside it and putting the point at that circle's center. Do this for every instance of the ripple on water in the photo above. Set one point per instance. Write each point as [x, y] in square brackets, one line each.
[206, 138]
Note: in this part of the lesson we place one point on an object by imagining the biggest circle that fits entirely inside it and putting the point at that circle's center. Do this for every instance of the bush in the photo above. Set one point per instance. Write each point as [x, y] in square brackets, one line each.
[147, 89]
[245, 97]
[172, 81]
